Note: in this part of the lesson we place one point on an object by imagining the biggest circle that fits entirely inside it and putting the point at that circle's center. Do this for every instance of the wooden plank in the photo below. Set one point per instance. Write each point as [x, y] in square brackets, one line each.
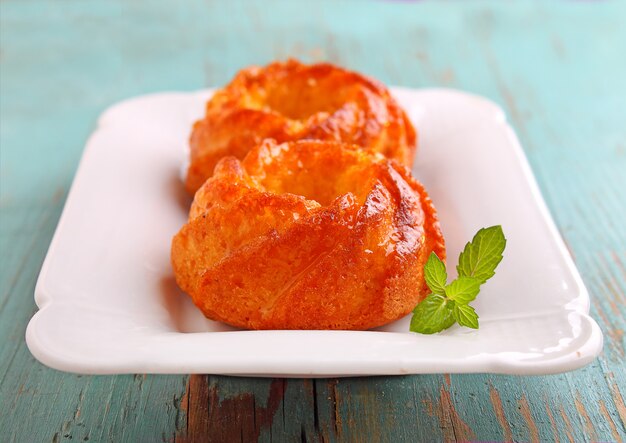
[558, 72]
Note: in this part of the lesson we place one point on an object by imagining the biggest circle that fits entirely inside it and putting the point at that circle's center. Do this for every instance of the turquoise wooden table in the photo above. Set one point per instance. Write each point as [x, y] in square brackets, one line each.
[559, 71]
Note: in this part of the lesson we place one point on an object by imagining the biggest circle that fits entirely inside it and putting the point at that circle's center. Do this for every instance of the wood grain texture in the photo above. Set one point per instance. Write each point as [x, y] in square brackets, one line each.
[557, 69]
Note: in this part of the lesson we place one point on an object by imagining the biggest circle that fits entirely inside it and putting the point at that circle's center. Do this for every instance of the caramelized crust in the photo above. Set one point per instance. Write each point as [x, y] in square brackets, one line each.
[307, 235]
[291, 101]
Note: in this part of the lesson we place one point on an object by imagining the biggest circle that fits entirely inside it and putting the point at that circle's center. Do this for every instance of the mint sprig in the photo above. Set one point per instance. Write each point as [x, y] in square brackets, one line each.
[449, 303]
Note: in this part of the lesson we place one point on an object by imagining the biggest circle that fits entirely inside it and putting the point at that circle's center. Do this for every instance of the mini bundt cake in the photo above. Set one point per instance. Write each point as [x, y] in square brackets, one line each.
[307, 235]
[291, 101]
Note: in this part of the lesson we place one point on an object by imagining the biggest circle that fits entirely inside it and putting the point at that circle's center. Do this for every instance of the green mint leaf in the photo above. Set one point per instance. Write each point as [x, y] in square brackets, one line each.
[435, 274]
[465, 316]
[450, 303]
[433, 314]
[481, 256]
[463, 290]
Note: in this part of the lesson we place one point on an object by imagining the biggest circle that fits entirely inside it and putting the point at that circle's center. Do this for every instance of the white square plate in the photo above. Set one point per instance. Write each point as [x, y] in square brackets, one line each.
[108, 302]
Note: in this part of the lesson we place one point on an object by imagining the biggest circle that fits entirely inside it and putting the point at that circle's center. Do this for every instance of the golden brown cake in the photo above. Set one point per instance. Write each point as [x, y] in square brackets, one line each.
[307, 235]
[292, 101]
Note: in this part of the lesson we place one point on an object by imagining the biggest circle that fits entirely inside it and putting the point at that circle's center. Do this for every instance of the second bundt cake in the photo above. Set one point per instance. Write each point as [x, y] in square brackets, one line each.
[292, 101]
